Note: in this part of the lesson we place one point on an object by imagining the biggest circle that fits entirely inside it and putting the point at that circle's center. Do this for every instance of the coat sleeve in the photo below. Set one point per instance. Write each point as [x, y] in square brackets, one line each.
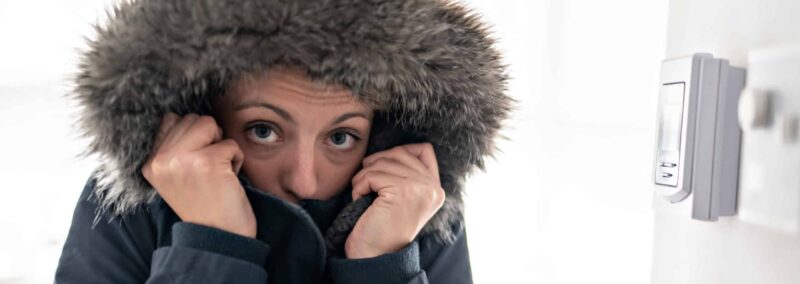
[445, 264]
[123, 250]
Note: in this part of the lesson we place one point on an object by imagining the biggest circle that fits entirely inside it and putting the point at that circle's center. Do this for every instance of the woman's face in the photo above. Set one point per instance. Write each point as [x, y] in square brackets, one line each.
[301, 139]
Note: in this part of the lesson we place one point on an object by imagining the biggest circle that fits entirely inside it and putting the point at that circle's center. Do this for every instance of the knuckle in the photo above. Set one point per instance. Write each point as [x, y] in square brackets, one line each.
[432, 195]
[198, 159]
[152, 170]
[207, 123]
[428, 147]
[178, 162]
[232, 143]
[429, 194]
[367, 175]
[441, 195]
[207, 120]
[189, 116]
[396, 150]
[380, 161]
[224, 144]
[154, 164]
[146, 173]
[202, 164]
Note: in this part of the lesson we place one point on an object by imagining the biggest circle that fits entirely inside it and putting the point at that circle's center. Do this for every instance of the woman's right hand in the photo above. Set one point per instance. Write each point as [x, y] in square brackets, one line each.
[194, 171]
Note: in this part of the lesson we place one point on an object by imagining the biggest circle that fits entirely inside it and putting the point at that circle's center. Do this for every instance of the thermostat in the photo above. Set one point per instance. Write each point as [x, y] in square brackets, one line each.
[698, 134]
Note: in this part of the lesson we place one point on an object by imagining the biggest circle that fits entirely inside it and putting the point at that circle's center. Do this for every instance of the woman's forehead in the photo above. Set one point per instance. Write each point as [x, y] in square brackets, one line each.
[292, 89]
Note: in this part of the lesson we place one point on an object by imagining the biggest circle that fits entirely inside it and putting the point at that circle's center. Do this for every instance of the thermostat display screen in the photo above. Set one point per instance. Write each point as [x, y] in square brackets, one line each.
[671, 117]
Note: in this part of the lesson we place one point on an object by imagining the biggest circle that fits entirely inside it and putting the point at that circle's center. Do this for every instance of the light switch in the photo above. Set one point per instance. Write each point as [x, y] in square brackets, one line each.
[754, 109]
[770, 157]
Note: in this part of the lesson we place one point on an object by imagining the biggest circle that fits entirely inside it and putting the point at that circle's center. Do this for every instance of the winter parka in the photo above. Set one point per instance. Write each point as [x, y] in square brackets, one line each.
[429, 64]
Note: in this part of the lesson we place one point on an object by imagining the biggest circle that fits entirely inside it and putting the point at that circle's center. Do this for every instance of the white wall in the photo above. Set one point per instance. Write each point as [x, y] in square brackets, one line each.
[569, 200]
[730, 250]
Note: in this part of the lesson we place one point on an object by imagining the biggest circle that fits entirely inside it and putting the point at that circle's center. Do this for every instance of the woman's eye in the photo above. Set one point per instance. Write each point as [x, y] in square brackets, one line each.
[342, 140]
[262, 133]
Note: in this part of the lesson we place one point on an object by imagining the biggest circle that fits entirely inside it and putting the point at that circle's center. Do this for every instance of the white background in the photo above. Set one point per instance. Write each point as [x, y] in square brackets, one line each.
[567, 201]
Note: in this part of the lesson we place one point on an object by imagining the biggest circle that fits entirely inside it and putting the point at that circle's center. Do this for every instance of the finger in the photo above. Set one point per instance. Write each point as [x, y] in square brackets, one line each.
[376, 181]
[203, 132]
[425, 153]
[176, 133]
[387, 165]
[227, 151]
[219, 134]
[401, 155]
[167, 122]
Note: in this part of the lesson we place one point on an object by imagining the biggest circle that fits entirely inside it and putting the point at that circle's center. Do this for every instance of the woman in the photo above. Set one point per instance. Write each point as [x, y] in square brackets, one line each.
[282, 142]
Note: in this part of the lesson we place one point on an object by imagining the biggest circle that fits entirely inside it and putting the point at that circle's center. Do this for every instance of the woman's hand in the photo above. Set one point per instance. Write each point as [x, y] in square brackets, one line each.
[194, 171]
[406, 179]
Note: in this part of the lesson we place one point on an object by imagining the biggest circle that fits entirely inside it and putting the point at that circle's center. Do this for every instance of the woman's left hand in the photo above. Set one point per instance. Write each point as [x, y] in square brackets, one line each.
[406, 179]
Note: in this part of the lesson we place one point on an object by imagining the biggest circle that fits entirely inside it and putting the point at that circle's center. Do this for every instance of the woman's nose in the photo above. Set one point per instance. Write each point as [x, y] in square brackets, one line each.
[301, 177]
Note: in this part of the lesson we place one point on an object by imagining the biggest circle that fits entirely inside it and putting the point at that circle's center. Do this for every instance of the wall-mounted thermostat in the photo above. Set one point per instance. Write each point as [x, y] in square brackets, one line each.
[698, 134]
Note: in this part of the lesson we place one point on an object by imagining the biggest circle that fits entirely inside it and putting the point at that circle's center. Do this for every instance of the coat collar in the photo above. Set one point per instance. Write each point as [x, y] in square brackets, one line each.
[322, 212]
[293, 233]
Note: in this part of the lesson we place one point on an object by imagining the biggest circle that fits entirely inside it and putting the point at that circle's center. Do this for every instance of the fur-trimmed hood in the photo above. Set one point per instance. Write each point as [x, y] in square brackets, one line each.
[429, 63]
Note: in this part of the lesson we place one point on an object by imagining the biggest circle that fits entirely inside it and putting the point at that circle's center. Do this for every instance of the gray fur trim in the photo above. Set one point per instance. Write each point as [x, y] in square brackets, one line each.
[430, 64]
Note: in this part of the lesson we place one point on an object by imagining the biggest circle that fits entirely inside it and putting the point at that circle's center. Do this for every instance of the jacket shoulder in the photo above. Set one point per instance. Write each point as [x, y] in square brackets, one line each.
[110, 246]
[446, 261]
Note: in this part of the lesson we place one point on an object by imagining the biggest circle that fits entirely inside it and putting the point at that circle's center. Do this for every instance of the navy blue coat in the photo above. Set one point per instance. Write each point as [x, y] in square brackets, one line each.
[152, 245]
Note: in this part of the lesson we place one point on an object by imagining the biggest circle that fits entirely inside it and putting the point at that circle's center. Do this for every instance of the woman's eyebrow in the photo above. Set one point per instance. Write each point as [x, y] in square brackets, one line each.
[281, 112]
[350, 115]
